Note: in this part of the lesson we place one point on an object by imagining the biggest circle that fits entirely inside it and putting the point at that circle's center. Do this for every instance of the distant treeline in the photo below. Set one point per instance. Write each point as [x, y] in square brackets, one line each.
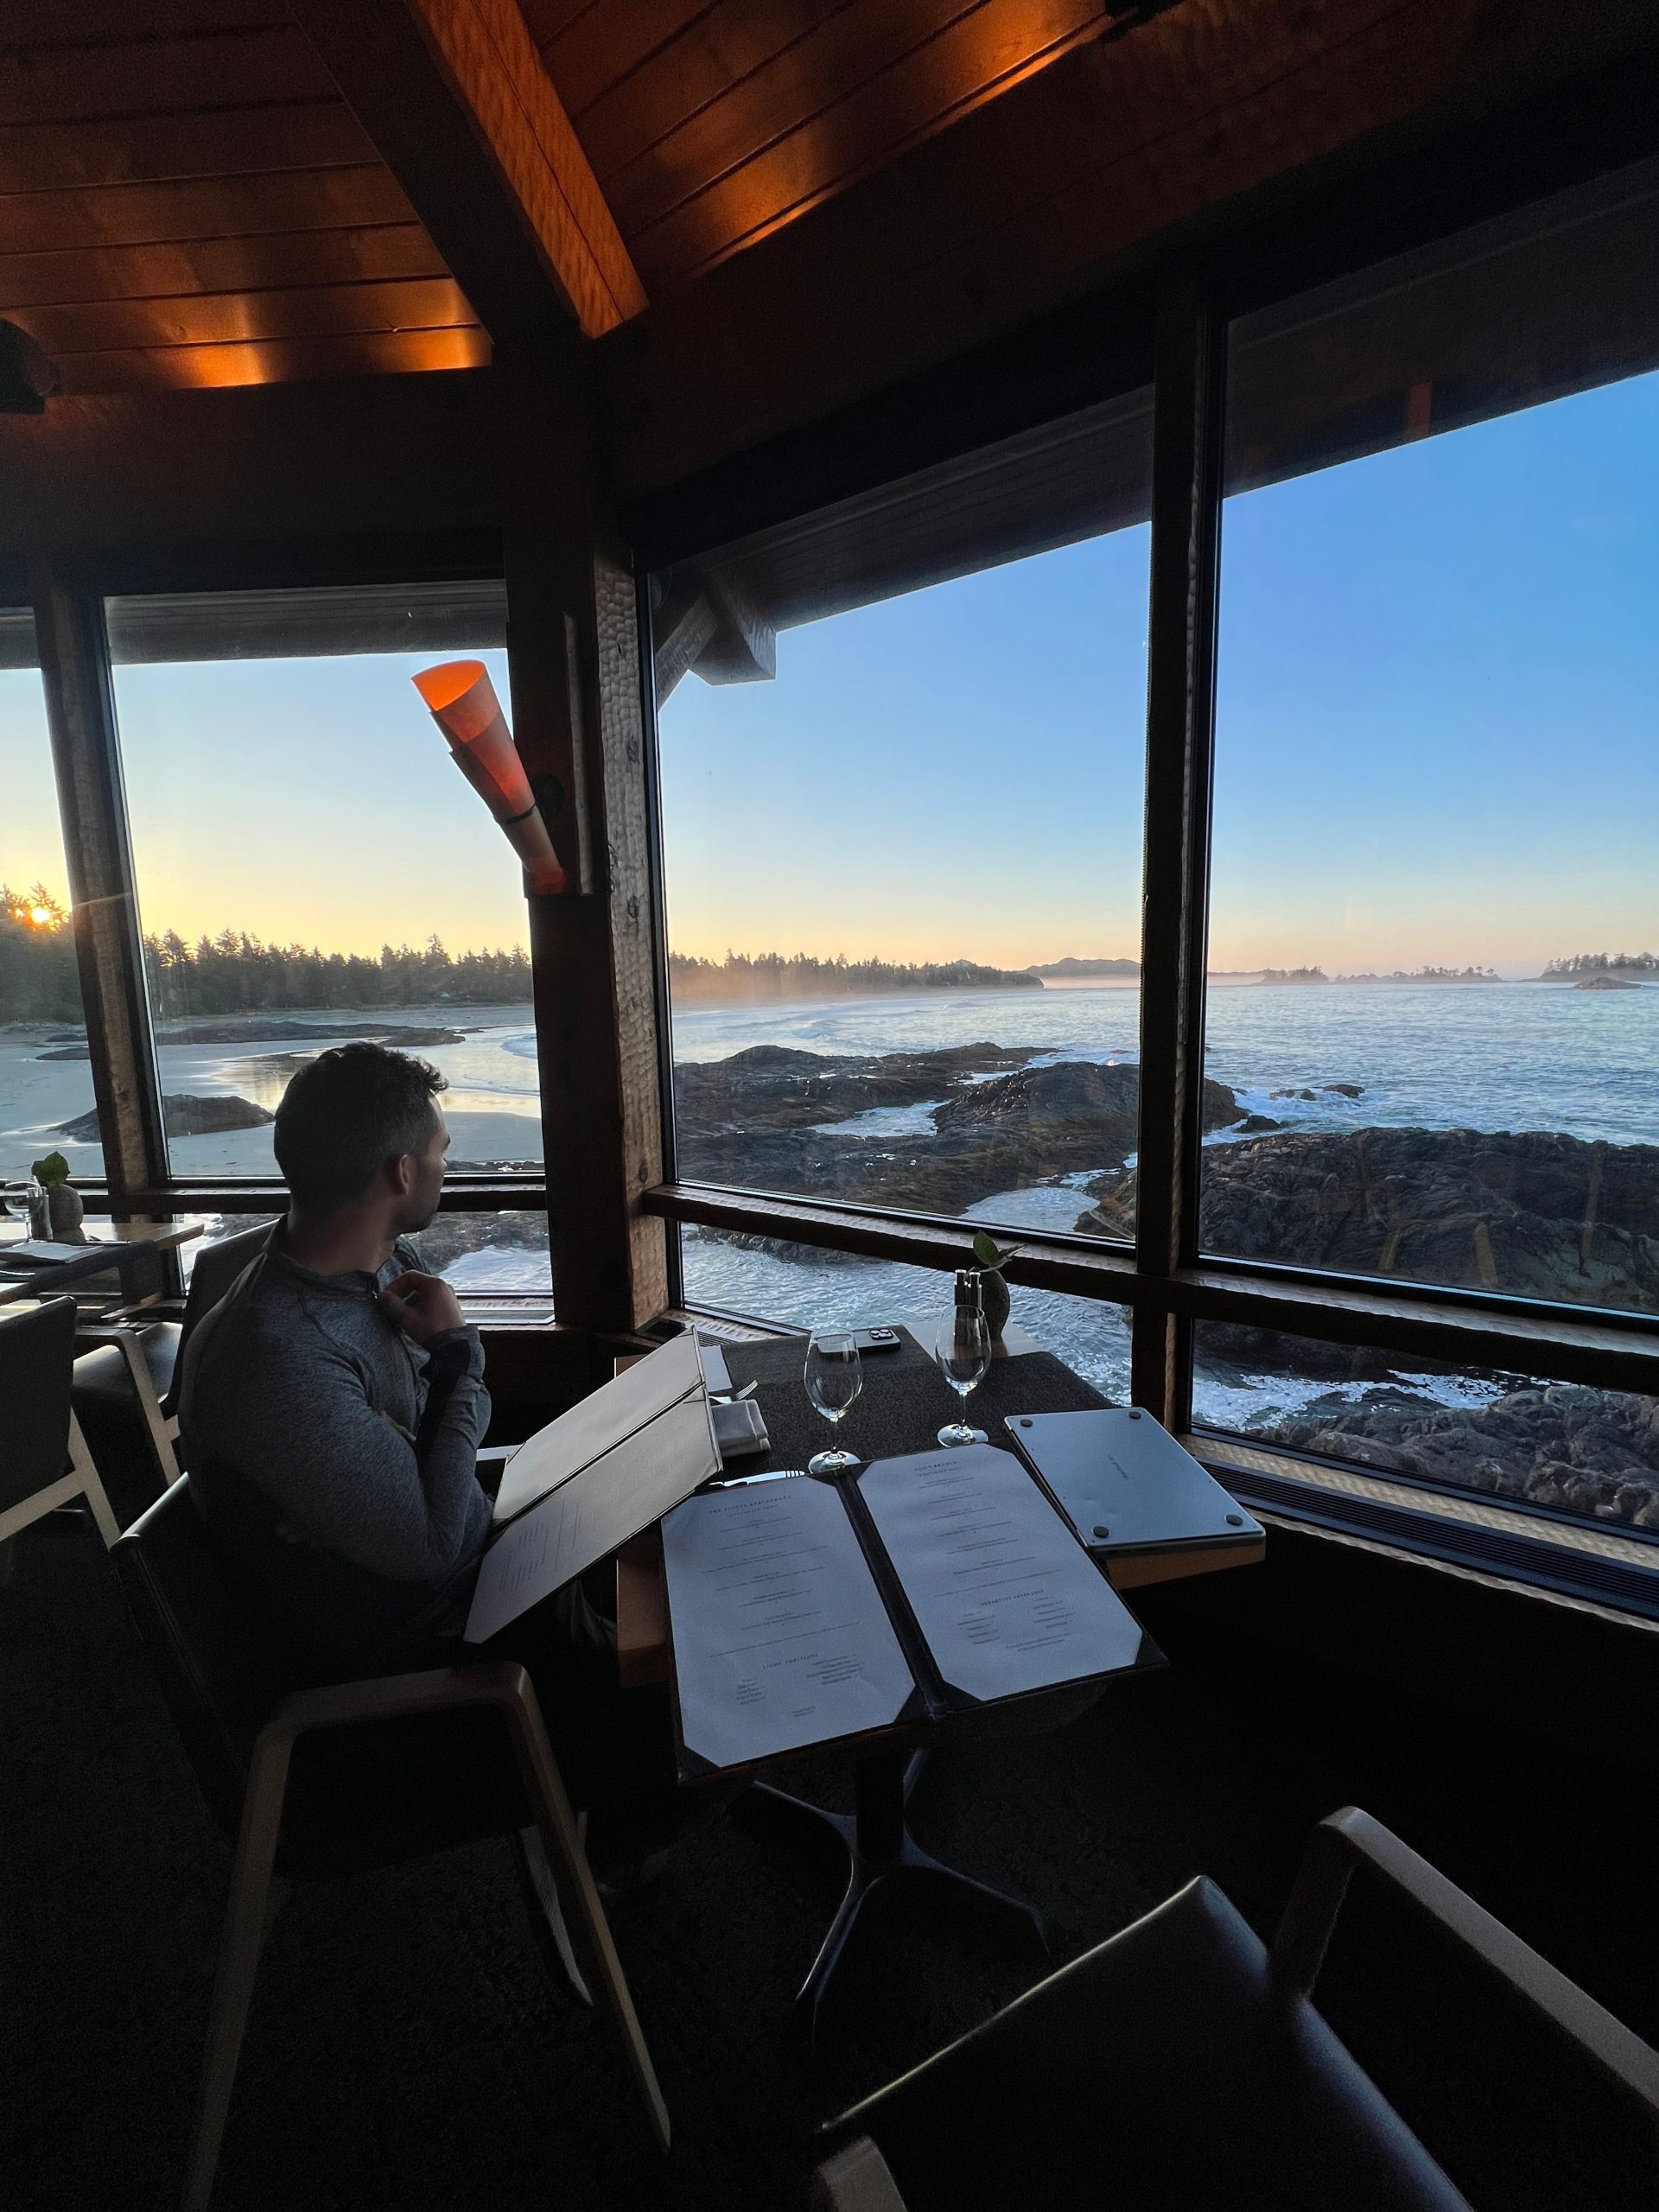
[38, 981]
[1604, 963]
[770, 975]
[235, 973]
[1427, 975]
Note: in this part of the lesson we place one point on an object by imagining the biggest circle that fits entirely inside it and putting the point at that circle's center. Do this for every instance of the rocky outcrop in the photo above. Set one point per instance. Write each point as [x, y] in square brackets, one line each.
[1605, 983]
[270, 1028]
[184, 1113]
[1593, 1453]
[755, 1120]
[1537, 1214]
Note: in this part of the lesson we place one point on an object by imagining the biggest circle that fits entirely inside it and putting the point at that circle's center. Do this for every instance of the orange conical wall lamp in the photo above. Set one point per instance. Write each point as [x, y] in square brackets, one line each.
[465, 708]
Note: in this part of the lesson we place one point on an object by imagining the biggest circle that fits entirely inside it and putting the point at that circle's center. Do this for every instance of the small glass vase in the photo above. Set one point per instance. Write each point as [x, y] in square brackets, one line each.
[994, 1301]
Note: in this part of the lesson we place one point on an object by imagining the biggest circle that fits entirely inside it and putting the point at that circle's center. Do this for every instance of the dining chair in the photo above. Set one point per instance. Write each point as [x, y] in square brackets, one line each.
[1183, 2063]
[313, 1783]
[44, 1461]
[131, 1369]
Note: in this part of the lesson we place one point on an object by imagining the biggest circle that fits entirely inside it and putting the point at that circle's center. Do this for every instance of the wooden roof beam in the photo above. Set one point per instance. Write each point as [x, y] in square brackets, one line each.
[454, 97]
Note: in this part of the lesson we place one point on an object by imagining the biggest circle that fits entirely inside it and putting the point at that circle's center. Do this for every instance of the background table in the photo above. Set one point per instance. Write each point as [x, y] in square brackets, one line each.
[126, 1248]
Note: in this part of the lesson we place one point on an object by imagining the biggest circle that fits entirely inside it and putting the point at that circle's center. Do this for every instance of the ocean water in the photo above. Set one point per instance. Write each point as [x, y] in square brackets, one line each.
[1494, 1057]
[1489, 1057]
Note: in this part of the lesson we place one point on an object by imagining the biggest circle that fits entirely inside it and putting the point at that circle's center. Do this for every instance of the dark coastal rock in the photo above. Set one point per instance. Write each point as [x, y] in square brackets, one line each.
[1345, 1090]
[275, 1028]
[1537, 1214]
[1594, 1453]
[185, 1113]
[752, 1120]
[272, 1029]
[782, 1088]
[1605, 983]
[1293, 1093]
[1258, 1125]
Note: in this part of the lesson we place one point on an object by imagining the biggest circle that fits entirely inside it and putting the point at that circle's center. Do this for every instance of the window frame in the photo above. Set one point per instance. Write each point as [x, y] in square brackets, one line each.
[86, 758]
[1165, 1280]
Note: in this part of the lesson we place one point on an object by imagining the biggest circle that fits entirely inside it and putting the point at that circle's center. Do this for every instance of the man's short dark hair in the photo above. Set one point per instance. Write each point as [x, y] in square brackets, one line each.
[345, 1113]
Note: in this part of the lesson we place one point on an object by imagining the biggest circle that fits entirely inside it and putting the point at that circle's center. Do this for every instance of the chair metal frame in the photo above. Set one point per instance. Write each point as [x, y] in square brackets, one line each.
[257, 1890]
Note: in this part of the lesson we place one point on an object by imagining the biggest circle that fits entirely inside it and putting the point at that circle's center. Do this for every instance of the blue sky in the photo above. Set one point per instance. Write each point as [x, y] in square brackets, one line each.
[1439, 709]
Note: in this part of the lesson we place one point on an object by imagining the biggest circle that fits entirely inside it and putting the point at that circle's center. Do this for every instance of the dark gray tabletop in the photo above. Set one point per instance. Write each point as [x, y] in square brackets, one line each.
[903, 1405]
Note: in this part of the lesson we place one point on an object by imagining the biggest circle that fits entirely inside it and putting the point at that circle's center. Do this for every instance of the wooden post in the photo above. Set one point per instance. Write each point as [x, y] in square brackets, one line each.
[1187, 431]
[74, 657]
[573, 650]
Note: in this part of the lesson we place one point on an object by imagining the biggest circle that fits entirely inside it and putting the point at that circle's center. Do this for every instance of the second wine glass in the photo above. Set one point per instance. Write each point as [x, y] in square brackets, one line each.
[963, 1354]
[834, 1378]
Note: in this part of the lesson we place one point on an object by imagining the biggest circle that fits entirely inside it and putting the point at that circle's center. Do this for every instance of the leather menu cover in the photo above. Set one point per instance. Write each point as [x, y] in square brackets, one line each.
[1125, 1484]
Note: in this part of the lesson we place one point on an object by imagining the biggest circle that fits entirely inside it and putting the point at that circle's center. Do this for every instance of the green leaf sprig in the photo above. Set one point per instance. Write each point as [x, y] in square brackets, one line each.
[991, 1255]
[53, 1169]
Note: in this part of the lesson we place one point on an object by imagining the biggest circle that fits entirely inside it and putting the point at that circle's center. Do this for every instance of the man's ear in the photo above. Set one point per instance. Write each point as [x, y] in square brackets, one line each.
[400, 1173]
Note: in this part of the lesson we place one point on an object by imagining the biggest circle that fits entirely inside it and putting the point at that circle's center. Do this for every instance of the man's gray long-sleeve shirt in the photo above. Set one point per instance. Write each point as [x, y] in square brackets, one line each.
[332, 1459]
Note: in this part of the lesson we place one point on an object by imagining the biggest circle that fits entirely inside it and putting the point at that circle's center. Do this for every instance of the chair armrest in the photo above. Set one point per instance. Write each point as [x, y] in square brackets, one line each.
[1350, 1838]
[502, 1683]
[153, 1309]
[495, 1455]
[857, 2179]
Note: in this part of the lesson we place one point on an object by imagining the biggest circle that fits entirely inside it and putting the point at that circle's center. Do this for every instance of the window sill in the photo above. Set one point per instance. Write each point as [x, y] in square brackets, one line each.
[1613, 1574]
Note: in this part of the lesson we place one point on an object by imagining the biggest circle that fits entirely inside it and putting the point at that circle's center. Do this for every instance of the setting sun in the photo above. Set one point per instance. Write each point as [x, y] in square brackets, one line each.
[40, 916]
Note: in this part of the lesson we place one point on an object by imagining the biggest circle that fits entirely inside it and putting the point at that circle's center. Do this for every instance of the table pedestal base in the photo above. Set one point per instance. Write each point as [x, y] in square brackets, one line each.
[879, 1846]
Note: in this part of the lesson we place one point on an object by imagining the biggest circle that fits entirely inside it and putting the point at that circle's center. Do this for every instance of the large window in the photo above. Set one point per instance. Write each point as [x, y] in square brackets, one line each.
[903, 856]
[46, 1078]
[1434, 930]
[311, 868]
[802, 1286]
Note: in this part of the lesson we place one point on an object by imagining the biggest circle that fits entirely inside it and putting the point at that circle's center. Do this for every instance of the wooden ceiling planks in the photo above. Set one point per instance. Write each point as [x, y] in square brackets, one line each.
[344, 353]
[1071, 179]
[166, 149]
[89, 276]
[738, 116]
[274, 206]
[186, 199]
[242, 66]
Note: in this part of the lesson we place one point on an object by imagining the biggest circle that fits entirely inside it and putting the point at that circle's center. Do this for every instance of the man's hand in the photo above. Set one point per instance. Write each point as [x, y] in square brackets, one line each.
[423, 1306]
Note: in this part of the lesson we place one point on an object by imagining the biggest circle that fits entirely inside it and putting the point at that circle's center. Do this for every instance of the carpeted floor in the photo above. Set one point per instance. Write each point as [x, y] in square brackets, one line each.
[407, 2048]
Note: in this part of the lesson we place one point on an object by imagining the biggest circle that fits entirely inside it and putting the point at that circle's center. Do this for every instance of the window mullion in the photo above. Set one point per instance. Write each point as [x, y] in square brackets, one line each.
[1180, 717]
[80, 712]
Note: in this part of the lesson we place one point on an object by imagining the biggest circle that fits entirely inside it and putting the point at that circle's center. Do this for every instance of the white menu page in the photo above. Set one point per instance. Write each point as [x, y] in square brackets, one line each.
[780, 1635]
[1006, 1598]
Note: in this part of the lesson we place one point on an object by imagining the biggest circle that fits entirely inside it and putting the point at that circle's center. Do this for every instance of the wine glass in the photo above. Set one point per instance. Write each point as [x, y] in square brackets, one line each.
[963, 1354]
[834, 1378]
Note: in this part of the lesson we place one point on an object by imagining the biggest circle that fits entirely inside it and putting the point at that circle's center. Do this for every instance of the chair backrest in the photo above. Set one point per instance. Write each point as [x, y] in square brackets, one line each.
[216, 1269]
[37, 1361]
[220, 1682]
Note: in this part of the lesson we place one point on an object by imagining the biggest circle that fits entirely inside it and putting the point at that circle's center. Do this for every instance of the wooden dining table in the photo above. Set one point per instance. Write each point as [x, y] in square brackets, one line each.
[902, 1405]
[129, 1249]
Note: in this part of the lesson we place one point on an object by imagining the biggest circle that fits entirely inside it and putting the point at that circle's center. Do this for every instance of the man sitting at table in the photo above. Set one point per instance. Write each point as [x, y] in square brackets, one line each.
[332, 1410]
